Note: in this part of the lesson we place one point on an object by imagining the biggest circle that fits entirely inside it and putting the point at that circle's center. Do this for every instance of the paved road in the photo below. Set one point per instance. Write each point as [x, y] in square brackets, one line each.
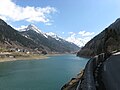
[111, 73]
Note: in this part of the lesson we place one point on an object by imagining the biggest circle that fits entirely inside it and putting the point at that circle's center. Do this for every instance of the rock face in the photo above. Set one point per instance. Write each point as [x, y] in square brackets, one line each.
[107, 41]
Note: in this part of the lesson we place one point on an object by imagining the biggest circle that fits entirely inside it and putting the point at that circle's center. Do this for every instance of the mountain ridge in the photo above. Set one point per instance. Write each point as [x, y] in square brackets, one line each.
[32, 39]
[13, 37]
[106, 41]
[50, 40]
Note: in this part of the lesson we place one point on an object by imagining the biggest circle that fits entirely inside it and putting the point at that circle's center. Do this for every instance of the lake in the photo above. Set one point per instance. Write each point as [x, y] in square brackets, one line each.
[47, 74]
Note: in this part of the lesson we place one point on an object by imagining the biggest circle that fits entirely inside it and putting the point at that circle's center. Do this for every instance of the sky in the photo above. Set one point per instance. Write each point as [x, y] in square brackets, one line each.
[74, 20]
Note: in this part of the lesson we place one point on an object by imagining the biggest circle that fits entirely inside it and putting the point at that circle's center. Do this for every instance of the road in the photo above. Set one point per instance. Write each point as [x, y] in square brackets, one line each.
[111, 73]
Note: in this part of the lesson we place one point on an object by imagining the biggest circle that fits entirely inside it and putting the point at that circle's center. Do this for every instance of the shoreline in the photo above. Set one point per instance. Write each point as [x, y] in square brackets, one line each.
[33, 57]
[28, 57]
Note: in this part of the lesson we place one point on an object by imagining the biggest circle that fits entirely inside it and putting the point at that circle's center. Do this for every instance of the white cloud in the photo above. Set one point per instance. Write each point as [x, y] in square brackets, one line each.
[84, 33]
[70, 32]
[9, 10]
[4, 18]
[48, 24]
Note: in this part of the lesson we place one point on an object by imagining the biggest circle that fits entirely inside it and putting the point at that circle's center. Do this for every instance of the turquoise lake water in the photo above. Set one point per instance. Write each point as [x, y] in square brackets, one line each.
[47, 74]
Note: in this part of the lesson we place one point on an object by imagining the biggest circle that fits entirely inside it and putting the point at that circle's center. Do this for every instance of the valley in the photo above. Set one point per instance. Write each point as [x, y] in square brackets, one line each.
[30, 43]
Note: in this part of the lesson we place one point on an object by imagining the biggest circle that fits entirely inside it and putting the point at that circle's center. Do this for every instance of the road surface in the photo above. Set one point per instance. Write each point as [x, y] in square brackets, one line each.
[111, 73]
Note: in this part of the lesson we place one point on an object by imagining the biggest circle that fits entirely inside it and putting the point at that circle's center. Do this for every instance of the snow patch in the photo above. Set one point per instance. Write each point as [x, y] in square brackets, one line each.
[33, 27]
[53, 35]
[45, 35]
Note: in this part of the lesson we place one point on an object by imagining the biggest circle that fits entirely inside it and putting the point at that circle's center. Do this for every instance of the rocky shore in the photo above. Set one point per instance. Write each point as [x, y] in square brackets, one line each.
[72, 84]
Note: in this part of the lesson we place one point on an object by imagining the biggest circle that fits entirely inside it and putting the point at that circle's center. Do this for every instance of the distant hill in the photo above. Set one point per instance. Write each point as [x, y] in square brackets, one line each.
[108, 40]
[33, 39]
[52, 42]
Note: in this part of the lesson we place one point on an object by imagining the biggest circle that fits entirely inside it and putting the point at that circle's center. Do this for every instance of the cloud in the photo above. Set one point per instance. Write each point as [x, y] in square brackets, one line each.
[3, 17]
[48, 24]
[70, 32]
[10, 11]
[84, 33]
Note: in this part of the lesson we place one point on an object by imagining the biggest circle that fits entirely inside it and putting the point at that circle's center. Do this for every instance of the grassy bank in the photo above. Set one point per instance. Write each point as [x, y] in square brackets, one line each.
[6, 56]
[21, 56]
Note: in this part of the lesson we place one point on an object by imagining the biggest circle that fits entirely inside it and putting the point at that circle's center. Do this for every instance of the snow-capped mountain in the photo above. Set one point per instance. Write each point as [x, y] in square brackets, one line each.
[29, 27]
[32, 38]
[10, 38]
[33, 27]
[50, 40]
[53, 35]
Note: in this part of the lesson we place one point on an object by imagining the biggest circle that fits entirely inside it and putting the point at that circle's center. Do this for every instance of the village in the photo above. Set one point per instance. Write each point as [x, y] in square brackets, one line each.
[20, 53]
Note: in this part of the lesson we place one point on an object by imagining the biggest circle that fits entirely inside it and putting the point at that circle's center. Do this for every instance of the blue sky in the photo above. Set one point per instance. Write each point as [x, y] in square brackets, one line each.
[74, 20]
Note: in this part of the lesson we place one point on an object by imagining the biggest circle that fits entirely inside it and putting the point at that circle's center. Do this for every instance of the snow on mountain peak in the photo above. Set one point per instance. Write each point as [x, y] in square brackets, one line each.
[33, 27]
[53, 35]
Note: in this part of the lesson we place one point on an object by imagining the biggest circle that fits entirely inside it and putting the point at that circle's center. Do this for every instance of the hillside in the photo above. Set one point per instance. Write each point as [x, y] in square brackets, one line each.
[52, 42]
[10, 38]
[32, 39]
[108, 40]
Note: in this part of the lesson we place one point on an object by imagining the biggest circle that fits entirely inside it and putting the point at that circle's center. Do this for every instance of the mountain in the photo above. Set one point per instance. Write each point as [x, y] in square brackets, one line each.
[107, 41]
[33, 39]
[51, 41]
[10, 38]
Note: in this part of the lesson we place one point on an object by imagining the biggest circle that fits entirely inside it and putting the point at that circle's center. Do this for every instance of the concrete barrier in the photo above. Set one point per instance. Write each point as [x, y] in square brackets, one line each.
[88, 81]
